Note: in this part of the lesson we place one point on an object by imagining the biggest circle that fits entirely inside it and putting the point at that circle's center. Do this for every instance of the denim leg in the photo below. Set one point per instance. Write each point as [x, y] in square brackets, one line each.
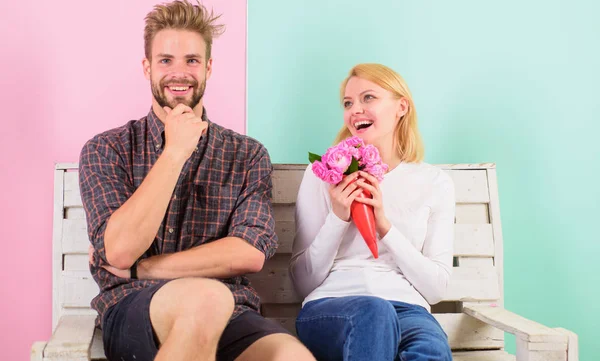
[421, 336]
[353, 328]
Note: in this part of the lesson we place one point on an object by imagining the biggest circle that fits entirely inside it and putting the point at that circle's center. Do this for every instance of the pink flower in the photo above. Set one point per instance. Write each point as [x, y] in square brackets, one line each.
[337, 158]
[377, 170]
[354, 152]
[354, 142]
[332, 176]
[319, 169]
[369, 155]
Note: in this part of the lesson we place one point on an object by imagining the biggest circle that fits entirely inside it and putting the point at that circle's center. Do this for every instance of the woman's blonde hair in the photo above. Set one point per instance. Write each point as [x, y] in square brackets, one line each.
[409, 145]
[181, 15]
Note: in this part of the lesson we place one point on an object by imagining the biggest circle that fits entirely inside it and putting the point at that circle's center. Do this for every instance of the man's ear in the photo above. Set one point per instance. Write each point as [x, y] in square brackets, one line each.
[146, 68]
[208, 68]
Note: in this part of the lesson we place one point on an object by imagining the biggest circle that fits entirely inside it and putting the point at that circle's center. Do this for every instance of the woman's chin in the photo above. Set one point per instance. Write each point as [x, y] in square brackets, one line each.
[367, 139]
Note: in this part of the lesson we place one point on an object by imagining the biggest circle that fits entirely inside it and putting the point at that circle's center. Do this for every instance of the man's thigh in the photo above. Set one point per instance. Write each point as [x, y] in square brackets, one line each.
[245, 330]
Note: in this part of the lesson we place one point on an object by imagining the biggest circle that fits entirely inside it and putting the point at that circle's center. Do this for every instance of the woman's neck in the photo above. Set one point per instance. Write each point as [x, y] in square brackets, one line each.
[389, 155]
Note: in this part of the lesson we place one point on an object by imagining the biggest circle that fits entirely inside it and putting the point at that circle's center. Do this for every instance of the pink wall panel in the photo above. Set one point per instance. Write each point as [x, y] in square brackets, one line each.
[68, 70]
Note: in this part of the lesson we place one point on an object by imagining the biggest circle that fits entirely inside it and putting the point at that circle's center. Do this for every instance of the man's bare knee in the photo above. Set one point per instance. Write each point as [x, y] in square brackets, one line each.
[196, 304]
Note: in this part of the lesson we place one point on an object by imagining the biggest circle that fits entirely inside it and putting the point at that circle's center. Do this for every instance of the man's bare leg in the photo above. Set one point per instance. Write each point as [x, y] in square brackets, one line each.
[188, 316]
[276, 347]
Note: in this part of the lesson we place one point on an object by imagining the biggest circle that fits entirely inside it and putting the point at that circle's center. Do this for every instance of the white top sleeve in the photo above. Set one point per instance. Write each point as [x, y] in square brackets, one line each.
[319, 233]
[429, 270]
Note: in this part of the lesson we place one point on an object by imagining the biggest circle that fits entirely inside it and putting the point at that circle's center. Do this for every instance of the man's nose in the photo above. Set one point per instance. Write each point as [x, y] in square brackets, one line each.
[179, 69]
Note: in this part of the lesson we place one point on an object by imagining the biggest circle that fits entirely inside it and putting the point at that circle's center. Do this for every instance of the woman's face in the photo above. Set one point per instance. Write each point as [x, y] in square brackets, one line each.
[372, 112]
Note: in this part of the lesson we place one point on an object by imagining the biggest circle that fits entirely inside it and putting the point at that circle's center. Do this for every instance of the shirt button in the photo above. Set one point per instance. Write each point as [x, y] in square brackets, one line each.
[174, 196]
[171, 230]
[196, 149]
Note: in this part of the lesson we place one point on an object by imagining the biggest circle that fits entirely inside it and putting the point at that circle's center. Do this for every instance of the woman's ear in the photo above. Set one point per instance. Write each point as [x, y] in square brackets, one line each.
[402, 108]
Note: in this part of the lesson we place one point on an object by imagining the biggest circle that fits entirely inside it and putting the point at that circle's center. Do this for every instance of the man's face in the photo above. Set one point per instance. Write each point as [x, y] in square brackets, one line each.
[178, 69]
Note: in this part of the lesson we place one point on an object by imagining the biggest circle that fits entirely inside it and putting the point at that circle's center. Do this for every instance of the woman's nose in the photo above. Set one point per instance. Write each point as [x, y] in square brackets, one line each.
[356, 108]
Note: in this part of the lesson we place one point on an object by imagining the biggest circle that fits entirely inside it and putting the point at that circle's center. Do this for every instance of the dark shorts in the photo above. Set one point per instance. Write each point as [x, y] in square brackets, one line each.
[128, 335]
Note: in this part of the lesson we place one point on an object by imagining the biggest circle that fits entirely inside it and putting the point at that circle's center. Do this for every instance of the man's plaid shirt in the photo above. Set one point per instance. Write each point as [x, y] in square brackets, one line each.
[223, 190]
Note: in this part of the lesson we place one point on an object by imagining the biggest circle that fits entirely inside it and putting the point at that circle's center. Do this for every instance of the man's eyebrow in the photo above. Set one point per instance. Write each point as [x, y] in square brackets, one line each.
[188, 56]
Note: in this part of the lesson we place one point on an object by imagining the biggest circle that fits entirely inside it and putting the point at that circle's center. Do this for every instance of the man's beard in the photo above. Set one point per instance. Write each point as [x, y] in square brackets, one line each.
[158, 91]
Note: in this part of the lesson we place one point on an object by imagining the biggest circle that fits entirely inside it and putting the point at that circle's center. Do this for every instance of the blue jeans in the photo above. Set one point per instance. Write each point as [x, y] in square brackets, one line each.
[370, 328]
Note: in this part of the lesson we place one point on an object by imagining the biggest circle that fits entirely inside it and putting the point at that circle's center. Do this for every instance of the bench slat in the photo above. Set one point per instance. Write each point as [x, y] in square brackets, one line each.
[76, 262]
[525, 329]
[496, 355]
[77, 289]
[72, 196]
[75, 237]
[471, 186]
[475, 261]
[74, 213]
[71, 339]
[274, 285]
[472, 213]
[285, 185]
[470, 239]
[473, 240]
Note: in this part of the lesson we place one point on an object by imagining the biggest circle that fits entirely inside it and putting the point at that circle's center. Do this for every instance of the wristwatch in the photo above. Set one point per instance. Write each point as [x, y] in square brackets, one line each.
[133, 270]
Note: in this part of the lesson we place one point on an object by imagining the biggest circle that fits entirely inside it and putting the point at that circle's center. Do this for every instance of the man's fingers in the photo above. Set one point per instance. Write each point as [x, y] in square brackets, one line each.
[183, 108]
[192, 116]
[167, 110]
[179, 109]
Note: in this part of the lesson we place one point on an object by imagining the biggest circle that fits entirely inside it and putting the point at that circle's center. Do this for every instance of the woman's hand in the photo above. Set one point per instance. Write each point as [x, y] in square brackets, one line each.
[382, 224]
[343, 194]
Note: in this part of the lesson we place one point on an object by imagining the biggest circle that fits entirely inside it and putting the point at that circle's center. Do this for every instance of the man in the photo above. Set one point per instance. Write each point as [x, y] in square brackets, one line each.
[178, 210]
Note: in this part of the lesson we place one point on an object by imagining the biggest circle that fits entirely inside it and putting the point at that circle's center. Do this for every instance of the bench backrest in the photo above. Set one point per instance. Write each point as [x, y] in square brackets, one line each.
[477, 274]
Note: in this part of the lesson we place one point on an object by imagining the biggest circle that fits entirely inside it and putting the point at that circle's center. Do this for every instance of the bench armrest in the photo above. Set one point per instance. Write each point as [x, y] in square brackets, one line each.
[72, 339]
[534, 340]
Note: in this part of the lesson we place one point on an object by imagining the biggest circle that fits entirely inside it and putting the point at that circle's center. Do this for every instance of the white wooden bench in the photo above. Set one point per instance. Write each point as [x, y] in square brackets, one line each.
[472, 313]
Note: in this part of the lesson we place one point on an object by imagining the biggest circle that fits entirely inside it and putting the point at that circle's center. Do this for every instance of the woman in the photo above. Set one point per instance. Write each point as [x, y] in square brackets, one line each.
[355, 306]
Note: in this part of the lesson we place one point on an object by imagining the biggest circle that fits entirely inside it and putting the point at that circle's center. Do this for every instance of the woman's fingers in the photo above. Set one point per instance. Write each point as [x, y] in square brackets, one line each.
[374, 191]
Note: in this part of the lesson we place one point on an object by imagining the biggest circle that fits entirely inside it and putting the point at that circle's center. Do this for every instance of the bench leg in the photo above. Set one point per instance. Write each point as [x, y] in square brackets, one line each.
[37, 351]
[572, 346]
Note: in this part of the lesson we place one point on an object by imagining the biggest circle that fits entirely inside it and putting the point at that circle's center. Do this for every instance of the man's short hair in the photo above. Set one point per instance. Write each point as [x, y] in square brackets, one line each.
[181, 15]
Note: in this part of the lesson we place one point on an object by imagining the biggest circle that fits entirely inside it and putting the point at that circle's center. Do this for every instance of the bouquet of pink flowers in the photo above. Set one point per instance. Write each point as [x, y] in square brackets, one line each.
[349, 156]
